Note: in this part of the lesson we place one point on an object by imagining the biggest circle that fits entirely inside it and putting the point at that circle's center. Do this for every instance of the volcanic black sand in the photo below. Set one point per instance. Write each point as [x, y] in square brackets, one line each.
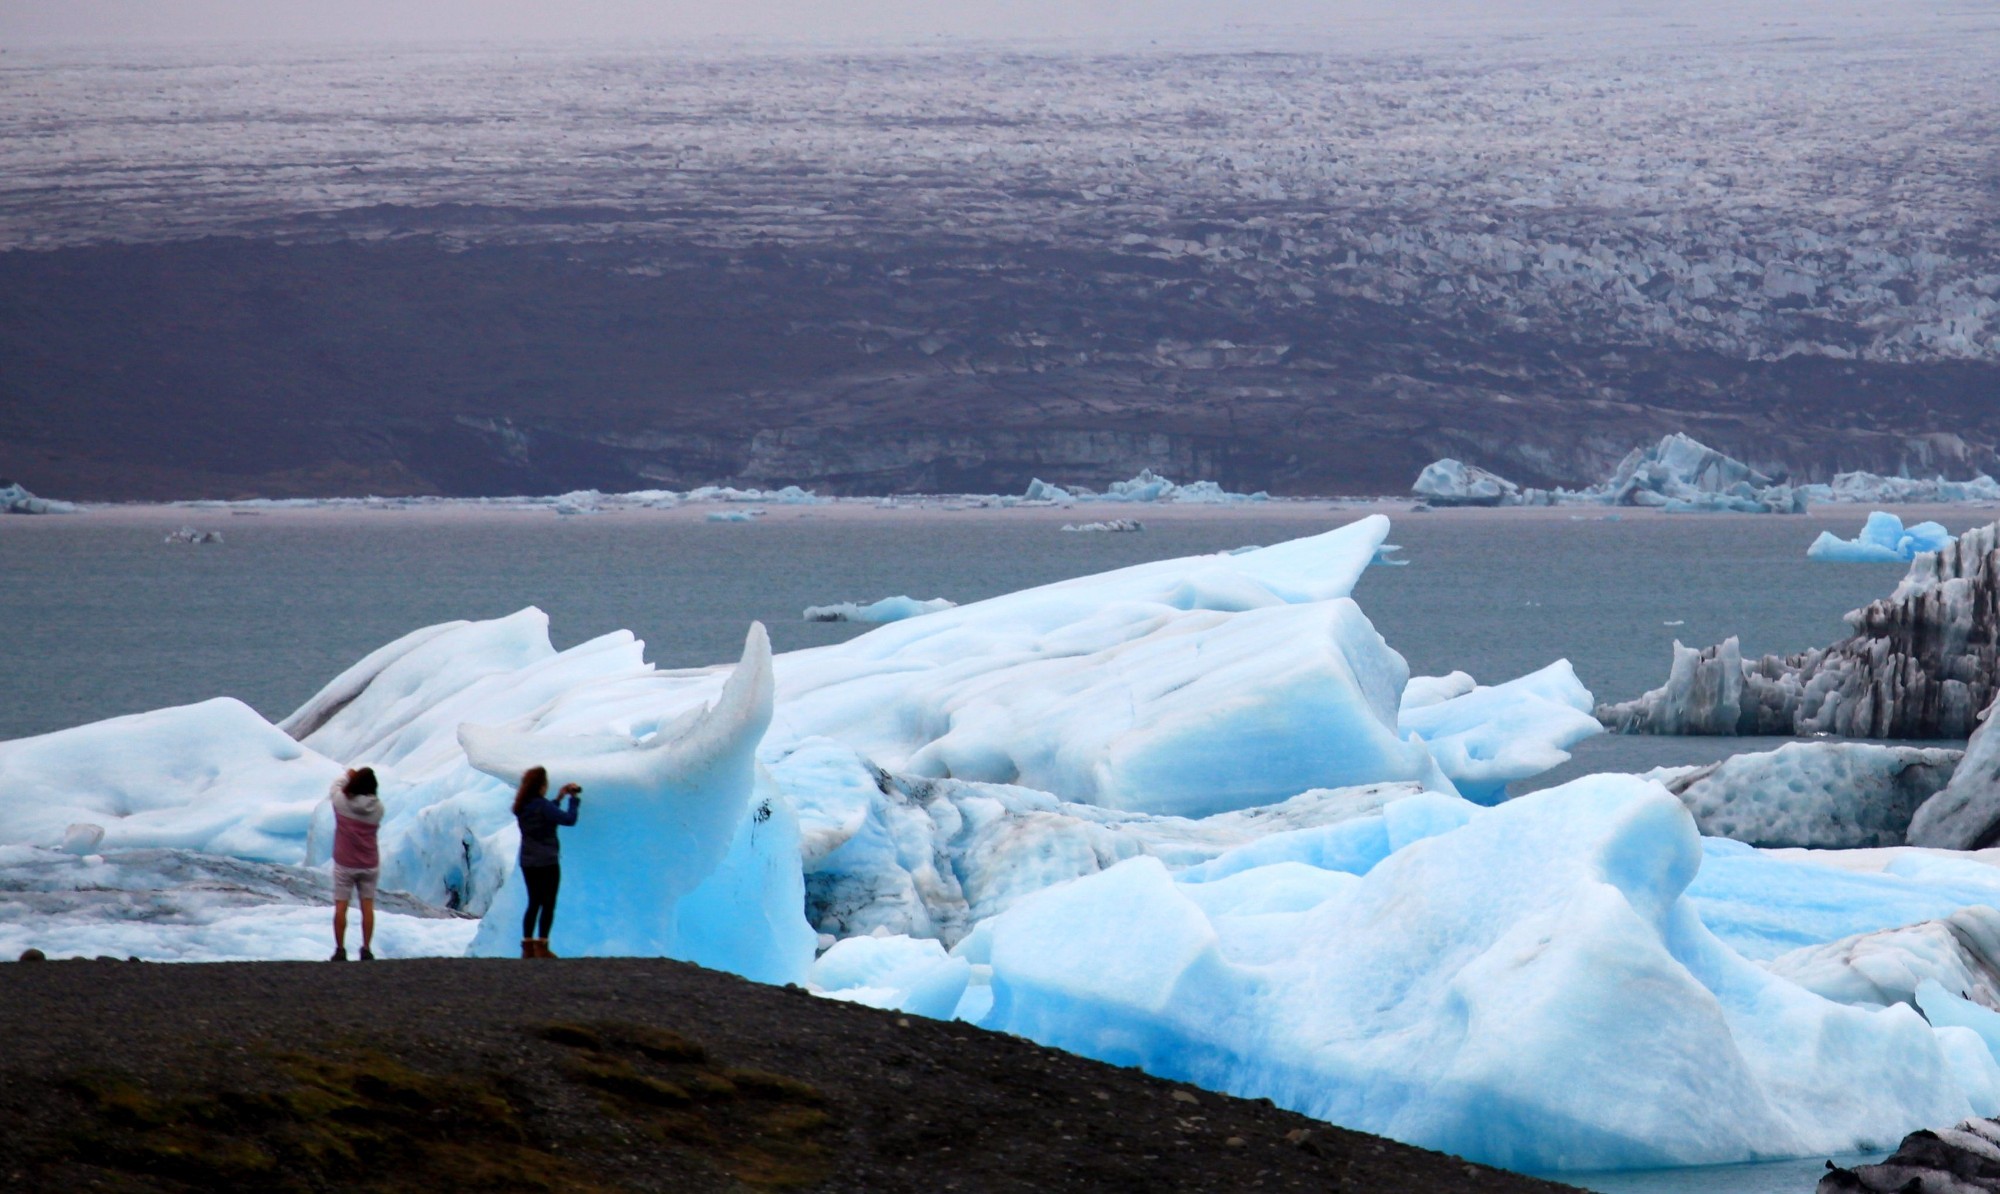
[600, 1075]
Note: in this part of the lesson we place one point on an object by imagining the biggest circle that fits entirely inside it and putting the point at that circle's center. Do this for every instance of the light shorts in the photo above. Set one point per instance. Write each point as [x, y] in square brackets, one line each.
[347, 881]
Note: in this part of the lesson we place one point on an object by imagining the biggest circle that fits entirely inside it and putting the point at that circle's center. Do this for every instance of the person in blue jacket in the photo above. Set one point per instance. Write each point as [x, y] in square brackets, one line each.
[541, 853]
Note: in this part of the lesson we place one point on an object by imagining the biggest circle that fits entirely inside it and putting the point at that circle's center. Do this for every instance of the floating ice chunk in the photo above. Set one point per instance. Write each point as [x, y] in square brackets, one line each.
[790, 495]
[1678, 475]
[1450, 482]
[14, 499]
[1114, 526]
[1486, 738]
[213, 776]
[733, 515]
[889, 609]
[1148, 486]
[1882, 540]
[1522, 990]
[191, 535]
[660, 815]
[1829, 795]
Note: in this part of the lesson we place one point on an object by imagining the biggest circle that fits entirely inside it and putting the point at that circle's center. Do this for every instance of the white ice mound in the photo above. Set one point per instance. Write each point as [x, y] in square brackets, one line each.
[1826, 795]
[1524, 986]
[213, 776]
[659, 815]
[1883, 540]
[1450, 482]
[889, 609]
[1485, 738]
[1185, 686]
[14, 499]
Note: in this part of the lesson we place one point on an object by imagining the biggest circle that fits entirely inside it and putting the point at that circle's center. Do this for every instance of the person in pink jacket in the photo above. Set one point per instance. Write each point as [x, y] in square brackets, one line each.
[357, 815]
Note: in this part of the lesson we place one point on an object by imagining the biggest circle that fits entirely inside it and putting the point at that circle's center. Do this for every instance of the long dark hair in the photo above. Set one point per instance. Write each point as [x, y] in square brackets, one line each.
[361, 783]
[534, 785]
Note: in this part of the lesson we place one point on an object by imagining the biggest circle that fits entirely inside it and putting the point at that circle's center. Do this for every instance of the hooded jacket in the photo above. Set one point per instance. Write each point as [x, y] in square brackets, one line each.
[356, 819]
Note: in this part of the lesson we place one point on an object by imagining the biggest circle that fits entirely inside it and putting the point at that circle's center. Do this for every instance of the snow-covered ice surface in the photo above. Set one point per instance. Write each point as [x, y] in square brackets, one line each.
[1191, 814]
[888, 609]
[189, 906]
[1883, 539]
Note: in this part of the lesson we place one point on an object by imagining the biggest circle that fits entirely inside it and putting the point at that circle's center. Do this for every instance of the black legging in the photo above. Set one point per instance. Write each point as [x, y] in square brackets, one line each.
[542, 884]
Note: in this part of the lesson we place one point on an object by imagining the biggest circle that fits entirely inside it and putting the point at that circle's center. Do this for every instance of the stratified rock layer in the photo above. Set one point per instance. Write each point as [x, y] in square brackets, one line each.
[1919, 665]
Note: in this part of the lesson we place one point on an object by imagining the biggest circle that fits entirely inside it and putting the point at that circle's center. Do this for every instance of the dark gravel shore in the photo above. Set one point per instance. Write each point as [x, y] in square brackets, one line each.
[448, 1074]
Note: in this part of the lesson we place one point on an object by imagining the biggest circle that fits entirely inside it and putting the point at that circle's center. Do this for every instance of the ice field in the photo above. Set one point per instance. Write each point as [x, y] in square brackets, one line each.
[1193, 814]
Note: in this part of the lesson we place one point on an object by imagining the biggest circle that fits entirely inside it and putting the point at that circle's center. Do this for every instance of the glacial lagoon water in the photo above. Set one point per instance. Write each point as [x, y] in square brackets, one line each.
[98, 617]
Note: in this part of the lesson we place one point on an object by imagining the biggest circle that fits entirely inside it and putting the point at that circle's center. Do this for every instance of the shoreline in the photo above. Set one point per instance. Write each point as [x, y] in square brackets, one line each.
[614, 508]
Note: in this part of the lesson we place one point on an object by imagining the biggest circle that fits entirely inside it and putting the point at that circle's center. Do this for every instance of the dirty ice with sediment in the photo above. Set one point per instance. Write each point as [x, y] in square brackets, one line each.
[1193, 815]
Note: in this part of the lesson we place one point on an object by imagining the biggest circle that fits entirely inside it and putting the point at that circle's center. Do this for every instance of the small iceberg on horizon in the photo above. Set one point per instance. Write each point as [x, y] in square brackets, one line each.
[15, 499]
[1148, 486]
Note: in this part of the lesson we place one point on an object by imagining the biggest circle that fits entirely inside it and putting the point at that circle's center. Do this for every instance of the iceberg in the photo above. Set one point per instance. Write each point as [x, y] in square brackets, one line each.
[682, 792]
[1527, 986]
[1484, 738]
[1823, 795]
[1920, 664]
[889, 609]
[1679, 475]
[213, 777]
[1883, 539]
[1450, 482]
[1114, 526]
[1148, 486]
[1966, 814]
[14, 499]
[1873, 489]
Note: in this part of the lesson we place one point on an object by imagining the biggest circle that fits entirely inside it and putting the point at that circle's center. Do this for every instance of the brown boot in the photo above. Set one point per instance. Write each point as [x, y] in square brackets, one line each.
[542, 948]
[528, 948]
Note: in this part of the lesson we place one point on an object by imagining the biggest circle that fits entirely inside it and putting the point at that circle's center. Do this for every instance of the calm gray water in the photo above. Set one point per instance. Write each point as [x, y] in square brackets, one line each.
[98, 617]
[1778, 1177]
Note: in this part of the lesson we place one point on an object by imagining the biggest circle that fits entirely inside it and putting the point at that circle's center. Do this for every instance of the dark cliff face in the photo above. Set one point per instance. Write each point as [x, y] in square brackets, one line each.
[233, 367]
